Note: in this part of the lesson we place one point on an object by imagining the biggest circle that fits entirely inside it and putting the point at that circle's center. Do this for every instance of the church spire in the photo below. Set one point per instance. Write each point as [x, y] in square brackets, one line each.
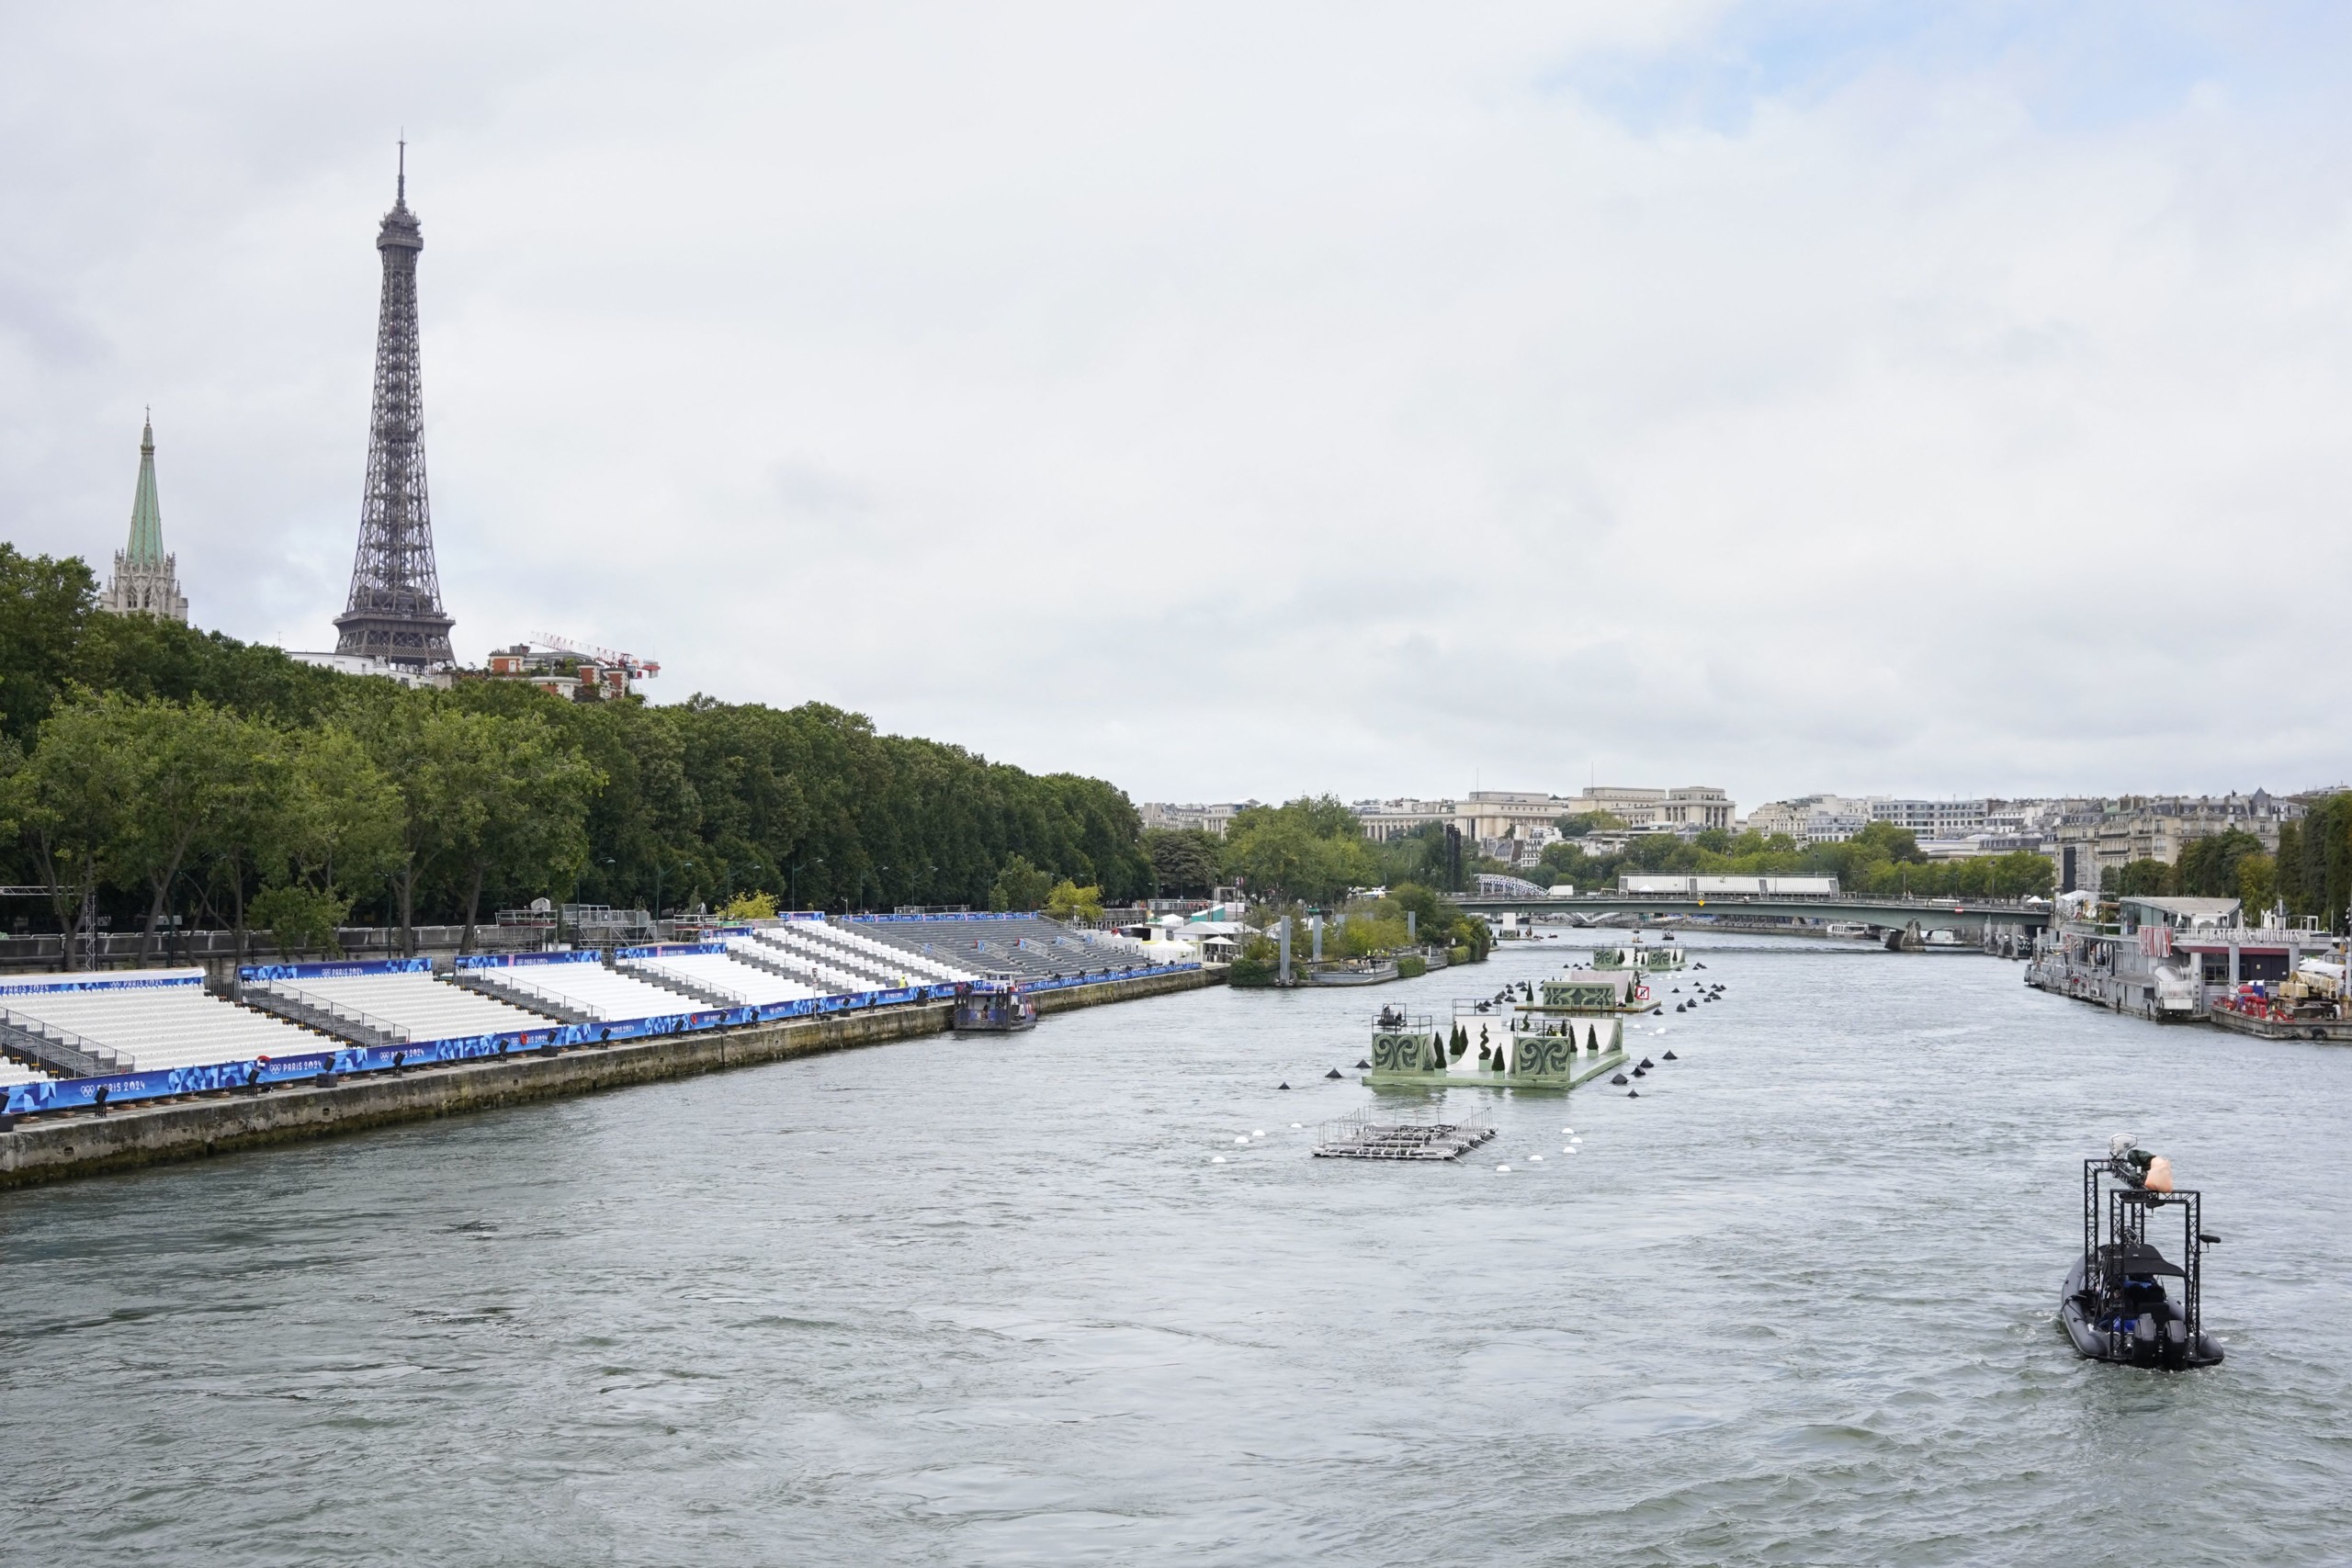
[146, 514]
[146, 581]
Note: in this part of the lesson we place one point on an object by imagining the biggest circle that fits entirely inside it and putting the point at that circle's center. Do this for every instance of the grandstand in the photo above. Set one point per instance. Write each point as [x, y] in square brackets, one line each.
[141, 1020]
[583, 993]
[817, 954]
[395, 1008]
[720, 978]
[1018, 947]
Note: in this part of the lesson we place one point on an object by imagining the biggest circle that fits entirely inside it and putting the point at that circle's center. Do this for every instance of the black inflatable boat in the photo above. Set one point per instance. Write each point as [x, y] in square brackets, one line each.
[2123, 1299]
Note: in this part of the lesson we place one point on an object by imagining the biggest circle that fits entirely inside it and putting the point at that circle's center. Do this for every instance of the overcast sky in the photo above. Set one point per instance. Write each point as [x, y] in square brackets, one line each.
[1252, 399]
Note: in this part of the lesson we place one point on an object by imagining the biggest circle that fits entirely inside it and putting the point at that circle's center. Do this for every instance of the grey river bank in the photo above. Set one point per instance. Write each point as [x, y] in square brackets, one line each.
[947, 1301]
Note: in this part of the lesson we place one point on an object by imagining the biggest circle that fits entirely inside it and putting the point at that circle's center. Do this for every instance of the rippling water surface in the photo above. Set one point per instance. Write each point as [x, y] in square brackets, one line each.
[964, 1303]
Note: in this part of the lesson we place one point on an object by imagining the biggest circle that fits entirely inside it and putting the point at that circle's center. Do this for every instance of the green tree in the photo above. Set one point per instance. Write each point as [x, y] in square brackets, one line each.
[525, 800]
[2138, 879]
[75, 801]
[1020, 886]
[1068, 901]
[44, 604]
[2314, 860]
[1424, 855]
[2209, 867]
[1184, 861]
[1312, 847]
[2257, 884]
[195, 763]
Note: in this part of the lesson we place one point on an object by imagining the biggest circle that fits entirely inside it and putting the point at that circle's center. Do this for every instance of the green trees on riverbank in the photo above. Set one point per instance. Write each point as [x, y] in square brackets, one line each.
[150, 770]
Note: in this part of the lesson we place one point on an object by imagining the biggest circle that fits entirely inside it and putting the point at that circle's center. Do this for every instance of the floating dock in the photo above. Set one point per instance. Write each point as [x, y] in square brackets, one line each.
[1356, 1138]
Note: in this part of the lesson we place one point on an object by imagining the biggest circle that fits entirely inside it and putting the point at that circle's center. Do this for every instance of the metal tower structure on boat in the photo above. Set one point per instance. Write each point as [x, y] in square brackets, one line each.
[395, 610]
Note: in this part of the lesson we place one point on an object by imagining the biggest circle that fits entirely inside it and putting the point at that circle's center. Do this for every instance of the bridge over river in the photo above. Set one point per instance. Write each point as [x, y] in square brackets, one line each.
[1968, 918]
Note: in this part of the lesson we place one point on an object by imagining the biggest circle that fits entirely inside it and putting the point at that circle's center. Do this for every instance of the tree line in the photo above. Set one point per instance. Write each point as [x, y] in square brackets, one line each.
[151, 770]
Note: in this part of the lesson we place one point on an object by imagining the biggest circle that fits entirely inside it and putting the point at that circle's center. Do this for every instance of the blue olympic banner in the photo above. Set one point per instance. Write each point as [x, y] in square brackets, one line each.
[671, 949]
[522, 960]
[982, 915]
[334, 971]
[1142, 973]
[137, 980]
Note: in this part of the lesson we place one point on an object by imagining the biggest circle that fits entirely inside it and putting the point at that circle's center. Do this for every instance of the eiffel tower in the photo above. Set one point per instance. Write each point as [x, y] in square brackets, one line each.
[395, 611]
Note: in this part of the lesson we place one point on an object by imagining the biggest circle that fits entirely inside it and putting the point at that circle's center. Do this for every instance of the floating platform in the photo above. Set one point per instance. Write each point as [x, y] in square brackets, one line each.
[2333, 1031]
[1356, 1138]
[1527, 1048]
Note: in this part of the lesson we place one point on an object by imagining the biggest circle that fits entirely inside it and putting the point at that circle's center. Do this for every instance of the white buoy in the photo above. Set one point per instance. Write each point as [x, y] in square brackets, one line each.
[1537, 1158]
[1504, 1168]
[1259, 1134]
[1298, 1126]
[1240, 1140]
[1216, 1159]
[1568, 1151]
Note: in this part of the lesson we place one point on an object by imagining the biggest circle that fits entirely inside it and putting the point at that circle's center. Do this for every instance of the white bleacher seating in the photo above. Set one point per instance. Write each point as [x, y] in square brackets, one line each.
[814, 960]
[153, 1028]
[1026, 946]
[427, 1008]
[744, 985]
[591, 988]
[16, 1073]
[921, 965]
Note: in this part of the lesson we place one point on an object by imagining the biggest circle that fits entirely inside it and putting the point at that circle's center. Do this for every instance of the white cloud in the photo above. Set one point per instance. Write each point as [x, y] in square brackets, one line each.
[1254, 400]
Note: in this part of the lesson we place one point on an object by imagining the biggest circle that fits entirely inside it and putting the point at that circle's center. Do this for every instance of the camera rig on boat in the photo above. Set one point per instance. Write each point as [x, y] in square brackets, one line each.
[2117, 1305]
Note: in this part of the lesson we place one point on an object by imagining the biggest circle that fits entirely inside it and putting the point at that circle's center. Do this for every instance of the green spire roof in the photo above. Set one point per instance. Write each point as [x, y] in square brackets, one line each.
[146, 515]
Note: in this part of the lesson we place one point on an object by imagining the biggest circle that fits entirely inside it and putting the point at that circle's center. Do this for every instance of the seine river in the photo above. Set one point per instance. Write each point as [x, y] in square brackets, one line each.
[945, 1303]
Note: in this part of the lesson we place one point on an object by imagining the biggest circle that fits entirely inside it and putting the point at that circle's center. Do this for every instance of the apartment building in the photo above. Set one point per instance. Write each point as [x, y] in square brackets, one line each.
[1207, 819]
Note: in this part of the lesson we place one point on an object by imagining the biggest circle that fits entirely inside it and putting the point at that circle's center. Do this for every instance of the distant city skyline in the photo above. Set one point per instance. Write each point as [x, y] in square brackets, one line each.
[1756, 393]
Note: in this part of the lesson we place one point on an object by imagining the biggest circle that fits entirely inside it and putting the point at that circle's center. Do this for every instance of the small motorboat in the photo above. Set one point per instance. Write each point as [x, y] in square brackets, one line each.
[999, 1008]
[2124, 1301]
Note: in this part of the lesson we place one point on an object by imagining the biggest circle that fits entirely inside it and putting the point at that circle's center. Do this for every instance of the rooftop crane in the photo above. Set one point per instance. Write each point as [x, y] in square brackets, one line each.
[638, 669]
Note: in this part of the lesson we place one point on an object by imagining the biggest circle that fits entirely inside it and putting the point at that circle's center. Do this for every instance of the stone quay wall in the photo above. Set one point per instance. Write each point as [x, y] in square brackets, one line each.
[83, 1142]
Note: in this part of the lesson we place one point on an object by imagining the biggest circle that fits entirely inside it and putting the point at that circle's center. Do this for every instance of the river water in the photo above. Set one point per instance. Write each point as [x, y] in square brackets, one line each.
[995, 1302]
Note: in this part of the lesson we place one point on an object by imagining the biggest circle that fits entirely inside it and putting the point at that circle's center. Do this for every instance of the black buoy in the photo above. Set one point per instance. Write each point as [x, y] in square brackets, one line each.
[1281, 1086]
[1672, 1057]
[1633, 1094]
[1641, 1072]
[1333, 1073]
[1364, 1066]
[1647, 1062]
[1619, 1078]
